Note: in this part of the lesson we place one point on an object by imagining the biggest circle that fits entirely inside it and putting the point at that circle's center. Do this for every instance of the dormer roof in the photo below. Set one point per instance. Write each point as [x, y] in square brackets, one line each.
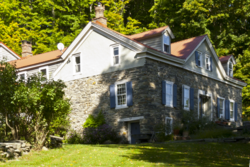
[148, 34]
[224, 59]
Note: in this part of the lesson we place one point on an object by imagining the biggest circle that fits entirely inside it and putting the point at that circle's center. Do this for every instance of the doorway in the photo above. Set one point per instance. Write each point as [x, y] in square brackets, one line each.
[134, 130]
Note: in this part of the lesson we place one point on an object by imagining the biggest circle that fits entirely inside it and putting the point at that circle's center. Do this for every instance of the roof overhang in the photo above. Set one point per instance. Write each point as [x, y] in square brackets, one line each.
[10, 50]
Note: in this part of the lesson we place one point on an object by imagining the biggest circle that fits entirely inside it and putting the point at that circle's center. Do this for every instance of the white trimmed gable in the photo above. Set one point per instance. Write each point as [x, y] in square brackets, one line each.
[7, 54]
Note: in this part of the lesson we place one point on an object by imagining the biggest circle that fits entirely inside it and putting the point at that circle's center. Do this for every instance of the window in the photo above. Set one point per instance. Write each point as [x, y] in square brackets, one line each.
[186, 97]
[169, 94]
[231, 110]
[22, 76]
[221, 107]
[121, 95]
[77, 64]
[168, 125]
[44, 72]
[208, 63]
[198, 56]
[230, 69]
[115, 54]
[166, 43]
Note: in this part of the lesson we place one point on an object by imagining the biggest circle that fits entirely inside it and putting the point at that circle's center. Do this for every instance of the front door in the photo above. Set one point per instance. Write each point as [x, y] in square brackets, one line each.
[135, 129]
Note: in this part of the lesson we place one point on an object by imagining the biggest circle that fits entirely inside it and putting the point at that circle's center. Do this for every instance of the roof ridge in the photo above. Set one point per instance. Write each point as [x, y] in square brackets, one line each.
[148, 30]
[188, 38]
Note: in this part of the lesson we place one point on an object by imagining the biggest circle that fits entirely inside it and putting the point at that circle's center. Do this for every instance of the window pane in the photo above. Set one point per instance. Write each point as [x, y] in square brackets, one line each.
[166, 40]
[116, 59]
[166, 48]
[168, 126]
[221, 106]
[78, 60]
[116, 51]
[78, 68]
[169, 89]
[121, 99]
[168, 100]
[22, 76]
[231, 105]
[186, 102]
[186, 93]
[43, 72]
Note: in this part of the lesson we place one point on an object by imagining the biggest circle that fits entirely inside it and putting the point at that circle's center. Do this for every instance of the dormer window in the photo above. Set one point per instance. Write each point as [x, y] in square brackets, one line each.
[230, 68]
[166, 43]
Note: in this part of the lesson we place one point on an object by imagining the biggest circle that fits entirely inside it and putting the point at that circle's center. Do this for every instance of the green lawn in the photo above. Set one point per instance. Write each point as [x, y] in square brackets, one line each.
[170, 154]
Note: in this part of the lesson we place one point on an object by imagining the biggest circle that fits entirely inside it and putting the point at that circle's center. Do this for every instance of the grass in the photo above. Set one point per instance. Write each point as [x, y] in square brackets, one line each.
[169, 154]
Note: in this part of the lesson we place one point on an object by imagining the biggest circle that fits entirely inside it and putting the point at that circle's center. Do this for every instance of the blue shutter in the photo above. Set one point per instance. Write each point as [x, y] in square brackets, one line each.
[218, 107]
[175, 95]
[129, 94]
[211, 63]
[235, 111]
[163, 92]
[112, 96]
[227, 109]
[196, 58]
[191, 99]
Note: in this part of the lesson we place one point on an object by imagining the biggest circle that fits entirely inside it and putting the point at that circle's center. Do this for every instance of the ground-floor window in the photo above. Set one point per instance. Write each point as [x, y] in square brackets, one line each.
[168, 125]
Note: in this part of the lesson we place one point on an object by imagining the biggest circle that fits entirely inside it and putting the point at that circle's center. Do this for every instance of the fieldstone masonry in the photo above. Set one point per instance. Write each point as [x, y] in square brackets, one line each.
[91, 95]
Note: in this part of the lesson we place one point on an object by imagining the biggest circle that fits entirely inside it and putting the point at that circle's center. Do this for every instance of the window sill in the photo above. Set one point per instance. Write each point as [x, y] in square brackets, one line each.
[120, 107]
[187, 109]
[169, 106]
[77, 74]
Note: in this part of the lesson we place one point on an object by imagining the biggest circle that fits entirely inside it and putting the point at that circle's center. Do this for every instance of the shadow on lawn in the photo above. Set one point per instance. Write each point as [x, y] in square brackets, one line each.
[189, 154]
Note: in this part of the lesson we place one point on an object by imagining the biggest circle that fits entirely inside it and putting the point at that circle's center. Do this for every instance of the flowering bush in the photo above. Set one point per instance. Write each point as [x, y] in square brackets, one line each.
[100, 134]
[74, 138]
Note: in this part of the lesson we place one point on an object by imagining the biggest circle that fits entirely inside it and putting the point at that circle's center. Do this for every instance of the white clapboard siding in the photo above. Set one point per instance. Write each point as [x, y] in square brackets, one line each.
[155, 42]
[52, 69]
[6, 55]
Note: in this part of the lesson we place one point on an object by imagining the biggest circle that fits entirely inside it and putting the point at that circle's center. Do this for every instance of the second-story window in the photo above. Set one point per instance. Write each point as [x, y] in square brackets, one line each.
[208, 63]
[230, 69]
[116, 59]
[198, 58]
[77, 64]
[166, 43]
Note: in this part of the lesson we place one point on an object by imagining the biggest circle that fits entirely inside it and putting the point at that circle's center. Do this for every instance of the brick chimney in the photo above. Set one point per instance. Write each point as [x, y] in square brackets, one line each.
[26, 48]
[99, 14]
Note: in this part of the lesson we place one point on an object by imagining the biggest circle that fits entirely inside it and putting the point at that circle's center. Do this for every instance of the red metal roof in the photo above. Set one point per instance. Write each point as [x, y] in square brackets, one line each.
[224, 59]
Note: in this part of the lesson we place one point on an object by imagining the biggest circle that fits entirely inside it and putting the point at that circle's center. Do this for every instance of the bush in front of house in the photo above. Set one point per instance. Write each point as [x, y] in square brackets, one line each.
[214, 133]
[74, 138]
[96, 131]
[100, 134]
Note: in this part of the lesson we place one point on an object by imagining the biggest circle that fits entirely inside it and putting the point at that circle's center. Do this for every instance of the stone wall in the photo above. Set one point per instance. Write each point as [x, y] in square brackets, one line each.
[91, 95]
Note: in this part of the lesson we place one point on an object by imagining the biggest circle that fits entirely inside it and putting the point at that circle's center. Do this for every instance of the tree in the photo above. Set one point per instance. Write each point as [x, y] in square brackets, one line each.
[34, 108]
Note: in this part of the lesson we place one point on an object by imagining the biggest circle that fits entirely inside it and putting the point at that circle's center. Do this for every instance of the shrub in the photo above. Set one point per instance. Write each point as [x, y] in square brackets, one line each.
[99, 135]
[74, 138]
[94, 122]
[214, 133]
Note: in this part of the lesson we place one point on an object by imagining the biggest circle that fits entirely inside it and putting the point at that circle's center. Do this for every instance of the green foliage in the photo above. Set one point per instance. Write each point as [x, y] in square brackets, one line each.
[74, 138]
[191, 122]
[32, 109]
[94, 122]
[214, 133]
[160, 132]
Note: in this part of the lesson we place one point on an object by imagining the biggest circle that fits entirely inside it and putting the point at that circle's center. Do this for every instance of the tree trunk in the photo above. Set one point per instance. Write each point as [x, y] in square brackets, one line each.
[13, 131]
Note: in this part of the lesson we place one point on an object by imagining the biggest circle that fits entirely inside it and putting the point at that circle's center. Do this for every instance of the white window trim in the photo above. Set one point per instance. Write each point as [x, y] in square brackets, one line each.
[188, 87]
[166, 34]
[223, 113]
[47, 71]
[201, 59]
[228, 63]
[25, 75]
[116, 99]
[232, 101]
[171, 83]
[112, 54]
[170, 123]
[74, 63]
[209, 62]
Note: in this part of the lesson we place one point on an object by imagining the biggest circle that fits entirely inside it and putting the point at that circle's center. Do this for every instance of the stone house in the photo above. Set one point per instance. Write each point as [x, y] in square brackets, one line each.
[139, 80]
